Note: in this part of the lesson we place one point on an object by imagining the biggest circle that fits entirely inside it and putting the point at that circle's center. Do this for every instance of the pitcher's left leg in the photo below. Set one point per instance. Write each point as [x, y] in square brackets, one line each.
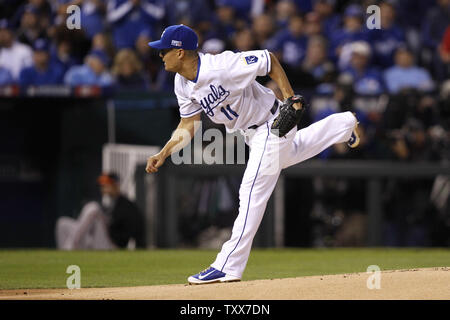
[310, 141]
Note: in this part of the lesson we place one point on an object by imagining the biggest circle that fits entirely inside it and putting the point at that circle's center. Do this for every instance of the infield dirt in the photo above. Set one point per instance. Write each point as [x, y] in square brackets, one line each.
[416, 284]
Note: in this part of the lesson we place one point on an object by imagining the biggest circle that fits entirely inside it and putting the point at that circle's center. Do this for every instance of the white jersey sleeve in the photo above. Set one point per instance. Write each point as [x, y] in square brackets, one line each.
[244, 67]
[187, 107]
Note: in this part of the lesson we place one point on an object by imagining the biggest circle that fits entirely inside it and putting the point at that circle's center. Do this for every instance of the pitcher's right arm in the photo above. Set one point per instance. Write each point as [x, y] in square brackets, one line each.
[182, 135]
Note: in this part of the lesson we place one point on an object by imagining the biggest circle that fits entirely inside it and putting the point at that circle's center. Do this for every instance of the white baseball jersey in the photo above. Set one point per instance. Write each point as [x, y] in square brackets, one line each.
[226, 89]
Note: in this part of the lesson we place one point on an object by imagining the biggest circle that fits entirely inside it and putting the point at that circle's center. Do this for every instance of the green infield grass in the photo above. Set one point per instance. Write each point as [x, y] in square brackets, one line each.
[27, 269]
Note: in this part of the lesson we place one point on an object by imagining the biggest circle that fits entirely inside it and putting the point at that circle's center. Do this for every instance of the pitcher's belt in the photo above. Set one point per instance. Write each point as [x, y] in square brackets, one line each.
[272, 110]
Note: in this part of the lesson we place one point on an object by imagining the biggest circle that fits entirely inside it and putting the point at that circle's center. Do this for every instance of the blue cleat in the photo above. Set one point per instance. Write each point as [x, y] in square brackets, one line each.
[353, 142]
[211, 275]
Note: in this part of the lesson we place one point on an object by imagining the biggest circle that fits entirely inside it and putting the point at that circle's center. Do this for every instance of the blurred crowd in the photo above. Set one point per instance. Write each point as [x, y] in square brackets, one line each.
[395, 78]
[318, 41]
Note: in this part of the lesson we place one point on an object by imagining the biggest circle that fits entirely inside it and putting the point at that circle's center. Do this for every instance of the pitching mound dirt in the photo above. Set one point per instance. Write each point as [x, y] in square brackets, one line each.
[432, 283]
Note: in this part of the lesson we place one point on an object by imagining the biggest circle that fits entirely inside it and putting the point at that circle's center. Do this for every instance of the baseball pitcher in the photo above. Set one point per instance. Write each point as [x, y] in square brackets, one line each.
[223, 86]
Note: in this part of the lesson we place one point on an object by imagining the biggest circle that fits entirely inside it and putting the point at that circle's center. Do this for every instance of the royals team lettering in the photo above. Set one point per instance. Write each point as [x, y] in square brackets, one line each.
[212, 100]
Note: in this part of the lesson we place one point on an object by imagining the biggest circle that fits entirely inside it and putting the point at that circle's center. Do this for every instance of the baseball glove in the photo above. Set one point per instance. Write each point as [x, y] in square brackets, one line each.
[288, 117]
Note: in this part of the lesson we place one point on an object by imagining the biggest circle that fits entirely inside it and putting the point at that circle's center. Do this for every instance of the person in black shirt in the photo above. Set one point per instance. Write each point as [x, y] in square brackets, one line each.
[115, 223]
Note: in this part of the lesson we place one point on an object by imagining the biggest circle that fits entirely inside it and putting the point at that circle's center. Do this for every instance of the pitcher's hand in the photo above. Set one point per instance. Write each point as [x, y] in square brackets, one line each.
[154, 162]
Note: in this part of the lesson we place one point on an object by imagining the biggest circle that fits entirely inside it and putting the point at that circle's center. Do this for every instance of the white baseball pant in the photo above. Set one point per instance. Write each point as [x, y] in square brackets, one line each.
[270, 154]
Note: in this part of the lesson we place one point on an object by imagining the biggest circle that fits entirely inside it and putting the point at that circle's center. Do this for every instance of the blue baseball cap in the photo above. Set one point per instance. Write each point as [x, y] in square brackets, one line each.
[41, 44]
[176, 36]
[353, 10]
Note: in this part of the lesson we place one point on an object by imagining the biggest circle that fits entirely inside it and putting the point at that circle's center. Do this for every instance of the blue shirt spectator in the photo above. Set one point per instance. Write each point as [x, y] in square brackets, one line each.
[385, 40]
[330, 20]
[351, 31]
[404, 74]
[93, 72]
[367, 80]
[61, 56]
[129, 17]
[5, 77]
[291, 43]
[42, 72]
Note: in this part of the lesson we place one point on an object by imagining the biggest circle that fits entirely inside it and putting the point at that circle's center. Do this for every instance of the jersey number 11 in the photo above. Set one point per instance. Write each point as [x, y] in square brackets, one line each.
[228, 111]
